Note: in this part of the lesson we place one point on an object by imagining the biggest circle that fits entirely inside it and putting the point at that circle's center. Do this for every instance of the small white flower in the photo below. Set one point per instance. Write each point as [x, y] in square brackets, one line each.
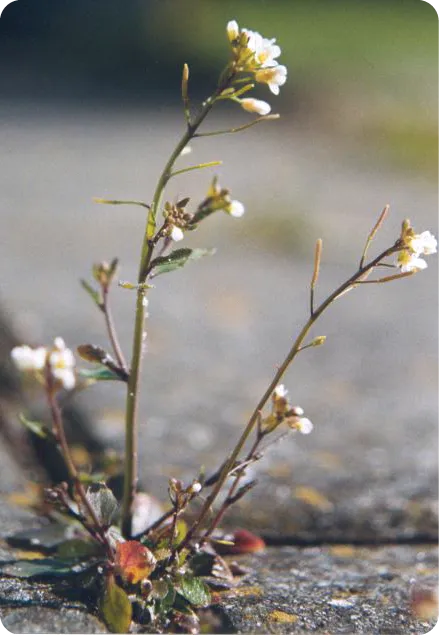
[304, 425]
[410, 262]
[176, 234]
[232, 30]
[255, 105]
[280, 392]
[195, 487]
[65, 376]
[423, 244]
[273, 77]
[265, 50]
[29, 359]
[236, 209]
[62, 364]
[298, 411]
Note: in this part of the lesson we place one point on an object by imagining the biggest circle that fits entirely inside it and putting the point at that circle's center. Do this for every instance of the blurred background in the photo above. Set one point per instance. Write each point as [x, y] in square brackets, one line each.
[90, 106]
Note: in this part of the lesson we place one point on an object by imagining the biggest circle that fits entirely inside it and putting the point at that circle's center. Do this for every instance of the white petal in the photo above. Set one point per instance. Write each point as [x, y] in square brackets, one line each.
[236, 209]
[59, 343]
[305, 426]
[414, 264]
[232, 30]
[280, 391]
[255, 105]
[66, 377]
[176, 234]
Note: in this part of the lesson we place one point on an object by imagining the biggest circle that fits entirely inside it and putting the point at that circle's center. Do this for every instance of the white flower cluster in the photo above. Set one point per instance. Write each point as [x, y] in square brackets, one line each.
[59, 360]
[255, 54]
[283, 412]
[416, 245]
[218, 198]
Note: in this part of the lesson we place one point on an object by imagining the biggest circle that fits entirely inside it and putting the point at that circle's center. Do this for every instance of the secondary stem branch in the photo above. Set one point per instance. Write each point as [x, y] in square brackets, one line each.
[362, 271]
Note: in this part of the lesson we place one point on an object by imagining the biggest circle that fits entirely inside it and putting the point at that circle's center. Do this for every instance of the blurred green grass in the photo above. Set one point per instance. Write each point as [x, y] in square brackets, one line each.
[366, 71]
[336, 37]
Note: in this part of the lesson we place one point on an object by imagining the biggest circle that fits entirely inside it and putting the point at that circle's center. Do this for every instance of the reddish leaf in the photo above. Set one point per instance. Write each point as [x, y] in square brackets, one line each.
[134, 561]
[243, 542]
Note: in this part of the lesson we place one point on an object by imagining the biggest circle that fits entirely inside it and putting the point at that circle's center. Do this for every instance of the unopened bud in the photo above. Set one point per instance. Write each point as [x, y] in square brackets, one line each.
[318, 341]
[195, 488]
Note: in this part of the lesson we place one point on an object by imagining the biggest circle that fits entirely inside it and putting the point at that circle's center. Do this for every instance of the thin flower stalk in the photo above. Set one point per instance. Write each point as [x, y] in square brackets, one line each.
[96, 530]
[349, 284]
[111, 329]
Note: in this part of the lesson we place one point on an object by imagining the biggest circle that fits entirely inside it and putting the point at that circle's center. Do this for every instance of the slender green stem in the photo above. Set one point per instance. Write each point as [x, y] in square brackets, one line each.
[362, 271]
[238, 128]
[199, 166]
[111, 329]
[130, 471]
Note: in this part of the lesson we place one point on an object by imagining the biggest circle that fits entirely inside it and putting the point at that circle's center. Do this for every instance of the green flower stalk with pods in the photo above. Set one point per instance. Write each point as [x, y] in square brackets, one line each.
[160, 575]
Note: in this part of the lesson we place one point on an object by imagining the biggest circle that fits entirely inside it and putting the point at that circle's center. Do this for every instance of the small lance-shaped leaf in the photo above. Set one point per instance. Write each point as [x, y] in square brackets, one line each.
[98, 374]
[103, 503]
[116, 607]
[92, 353]
[176, 259]
[194, 590]
[134, 561]
[37, 428]
[98, 355]
[95, 295]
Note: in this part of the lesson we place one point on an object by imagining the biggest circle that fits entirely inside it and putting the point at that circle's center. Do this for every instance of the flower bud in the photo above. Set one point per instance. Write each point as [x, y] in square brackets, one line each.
[255, 105]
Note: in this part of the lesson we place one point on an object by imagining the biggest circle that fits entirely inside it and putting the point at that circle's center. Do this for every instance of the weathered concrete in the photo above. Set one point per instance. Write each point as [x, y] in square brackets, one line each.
[37, 619]
[332, 590]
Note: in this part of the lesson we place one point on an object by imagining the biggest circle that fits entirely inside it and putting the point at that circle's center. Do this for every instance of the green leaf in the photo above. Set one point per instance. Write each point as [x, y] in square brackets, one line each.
[103, 502]
[176, 259]
[98, 374]
[104, 201]
[116, 607]
[44, 568]
[37, 428]
[164, 593]
[95, 295]
[194, 590]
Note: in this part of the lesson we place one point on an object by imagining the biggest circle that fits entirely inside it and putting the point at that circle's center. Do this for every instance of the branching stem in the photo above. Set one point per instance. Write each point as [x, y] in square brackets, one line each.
[350, 283]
